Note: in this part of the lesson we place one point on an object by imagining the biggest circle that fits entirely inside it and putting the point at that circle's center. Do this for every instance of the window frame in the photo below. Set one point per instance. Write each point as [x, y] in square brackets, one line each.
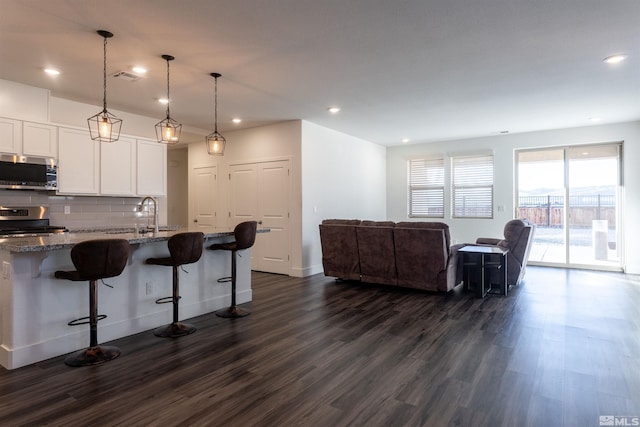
[476, 183]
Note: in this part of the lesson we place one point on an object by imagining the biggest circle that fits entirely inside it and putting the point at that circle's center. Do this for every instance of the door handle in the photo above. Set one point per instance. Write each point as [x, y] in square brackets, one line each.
[195, 220]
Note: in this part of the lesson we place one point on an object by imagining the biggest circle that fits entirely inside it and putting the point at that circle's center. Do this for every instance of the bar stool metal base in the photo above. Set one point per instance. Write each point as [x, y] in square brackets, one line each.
[92, 356]
[174, 330]
[232, 312]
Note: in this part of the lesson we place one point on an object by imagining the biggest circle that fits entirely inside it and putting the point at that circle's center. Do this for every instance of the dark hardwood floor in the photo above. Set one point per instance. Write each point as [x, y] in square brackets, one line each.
[561, 350]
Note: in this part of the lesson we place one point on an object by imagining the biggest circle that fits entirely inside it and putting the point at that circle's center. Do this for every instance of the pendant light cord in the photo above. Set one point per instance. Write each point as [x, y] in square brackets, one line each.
[104, 71]
[168, 97]
[215, 108]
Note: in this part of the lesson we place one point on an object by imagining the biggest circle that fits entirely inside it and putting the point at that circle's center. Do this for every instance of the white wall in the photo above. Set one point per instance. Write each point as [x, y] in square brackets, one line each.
[342, 177]
[503, 147]
[333, 175]
[22, 102]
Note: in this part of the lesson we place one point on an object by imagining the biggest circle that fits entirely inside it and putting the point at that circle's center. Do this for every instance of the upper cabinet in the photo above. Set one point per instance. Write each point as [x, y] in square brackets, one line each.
[39, 140]
[152, 168]
[128, 167]
[27, 138]
[78, 162]
[118, 167]
[10, 136]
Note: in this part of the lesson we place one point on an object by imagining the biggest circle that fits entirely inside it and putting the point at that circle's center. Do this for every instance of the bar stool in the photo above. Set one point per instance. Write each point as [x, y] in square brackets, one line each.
[245, 237]
[93, 260]
[184, 248]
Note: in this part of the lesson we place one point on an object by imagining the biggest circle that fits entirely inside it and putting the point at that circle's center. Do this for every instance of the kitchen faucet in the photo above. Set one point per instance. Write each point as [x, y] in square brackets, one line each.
[155, 211]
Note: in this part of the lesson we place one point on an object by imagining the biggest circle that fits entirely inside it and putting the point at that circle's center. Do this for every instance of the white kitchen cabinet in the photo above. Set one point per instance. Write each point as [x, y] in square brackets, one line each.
[10, 136]
[152, 168]
[39, 140]
[118, 167]
[78, 162]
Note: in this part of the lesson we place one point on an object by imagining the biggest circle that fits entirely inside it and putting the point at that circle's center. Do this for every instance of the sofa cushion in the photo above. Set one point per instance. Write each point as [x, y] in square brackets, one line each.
[428, 224]
[340, 249]
[421, 257]
[376, 252]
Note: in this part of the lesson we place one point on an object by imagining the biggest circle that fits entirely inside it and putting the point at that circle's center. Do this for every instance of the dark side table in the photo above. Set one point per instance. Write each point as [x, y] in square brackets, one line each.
[483, 268]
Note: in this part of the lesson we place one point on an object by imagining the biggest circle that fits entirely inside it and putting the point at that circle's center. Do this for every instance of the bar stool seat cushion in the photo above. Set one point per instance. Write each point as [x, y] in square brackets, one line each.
[245, 237]
[184, 248]
[97, 259]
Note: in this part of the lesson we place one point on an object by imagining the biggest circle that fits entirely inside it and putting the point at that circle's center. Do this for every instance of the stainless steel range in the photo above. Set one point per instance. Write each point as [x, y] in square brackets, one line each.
[26, 221]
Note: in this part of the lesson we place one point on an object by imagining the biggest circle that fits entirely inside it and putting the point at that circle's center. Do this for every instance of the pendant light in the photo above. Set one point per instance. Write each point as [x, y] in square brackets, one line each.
[104, 126]
[168, 130]
[215, 141]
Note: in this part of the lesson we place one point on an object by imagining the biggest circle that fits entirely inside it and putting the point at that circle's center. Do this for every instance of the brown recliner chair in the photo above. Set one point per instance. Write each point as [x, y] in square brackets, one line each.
[518, 235]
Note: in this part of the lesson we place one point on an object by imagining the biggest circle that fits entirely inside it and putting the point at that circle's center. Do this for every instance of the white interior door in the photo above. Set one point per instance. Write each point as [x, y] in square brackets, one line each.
[243, 193]
[273, 211]
[260, 192]
[205, 192]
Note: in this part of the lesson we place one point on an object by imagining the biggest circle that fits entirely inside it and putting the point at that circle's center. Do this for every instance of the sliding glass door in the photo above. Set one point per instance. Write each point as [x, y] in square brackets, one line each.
[572, 194]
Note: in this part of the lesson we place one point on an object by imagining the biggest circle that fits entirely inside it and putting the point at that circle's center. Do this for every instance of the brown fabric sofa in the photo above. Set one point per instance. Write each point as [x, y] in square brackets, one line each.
[408, 254]
[518, 235]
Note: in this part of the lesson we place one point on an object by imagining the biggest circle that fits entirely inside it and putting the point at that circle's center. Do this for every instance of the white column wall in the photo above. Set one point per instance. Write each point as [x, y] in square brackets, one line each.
[343, 177]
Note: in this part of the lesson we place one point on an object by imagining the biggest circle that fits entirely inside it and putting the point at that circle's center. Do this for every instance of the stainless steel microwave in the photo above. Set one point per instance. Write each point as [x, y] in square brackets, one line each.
[28, 172]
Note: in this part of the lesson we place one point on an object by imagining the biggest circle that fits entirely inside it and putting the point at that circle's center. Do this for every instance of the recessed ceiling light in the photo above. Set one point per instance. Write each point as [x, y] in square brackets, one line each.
[334, 110]
[236, 120]
[51, 71]
[405, 140]
[163, 101]
[615, 59]
[139, 70]
[594, 119]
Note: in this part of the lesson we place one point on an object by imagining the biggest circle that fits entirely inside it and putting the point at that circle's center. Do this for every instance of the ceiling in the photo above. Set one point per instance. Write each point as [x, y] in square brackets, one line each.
[427, 70]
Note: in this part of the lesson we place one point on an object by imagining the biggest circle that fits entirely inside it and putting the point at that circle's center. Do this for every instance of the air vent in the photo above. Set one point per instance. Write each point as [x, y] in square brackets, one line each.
[126, 75]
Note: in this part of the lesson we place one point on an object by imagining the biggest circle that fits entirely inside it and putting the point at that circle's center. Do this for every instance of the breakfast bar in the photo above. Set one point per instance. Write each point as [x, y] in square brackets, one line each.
[35, 307]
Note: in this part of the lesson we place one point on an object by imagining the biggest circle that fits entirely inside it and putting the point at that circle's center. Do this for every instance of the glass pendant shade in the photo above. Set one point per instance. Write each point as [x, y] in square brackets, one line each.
[215, 141]
[168, 130]
[104, 126]
[216, 144]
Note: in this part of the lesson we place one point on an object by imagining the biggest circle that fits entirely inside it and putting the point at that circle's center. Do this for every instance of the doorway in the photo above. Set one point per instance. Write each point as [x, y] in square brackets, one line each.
[572, 194]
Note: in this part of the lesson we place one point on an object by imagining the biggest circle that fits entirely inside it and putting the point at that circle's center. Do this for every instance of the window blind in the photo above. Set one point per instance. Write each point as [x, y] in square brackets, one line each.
[426, 188]
[472, 182]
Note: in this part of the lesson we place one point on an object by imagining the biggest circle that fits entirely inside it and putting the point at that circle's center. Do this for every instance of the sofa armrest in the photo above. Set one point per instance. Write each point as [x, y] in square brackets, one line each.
[454, 267]
[487, 241]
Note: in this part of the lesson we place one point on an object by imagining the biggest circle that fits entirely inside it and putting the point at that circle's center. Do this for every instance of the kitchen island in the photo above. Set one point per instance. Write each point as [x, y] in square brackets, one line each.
[35, 307]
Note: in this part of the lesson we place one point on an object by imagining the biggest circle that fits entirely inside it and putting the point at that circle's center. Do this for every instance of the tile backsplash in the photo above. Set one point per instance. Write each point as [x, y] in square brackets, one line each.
[85, 211]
